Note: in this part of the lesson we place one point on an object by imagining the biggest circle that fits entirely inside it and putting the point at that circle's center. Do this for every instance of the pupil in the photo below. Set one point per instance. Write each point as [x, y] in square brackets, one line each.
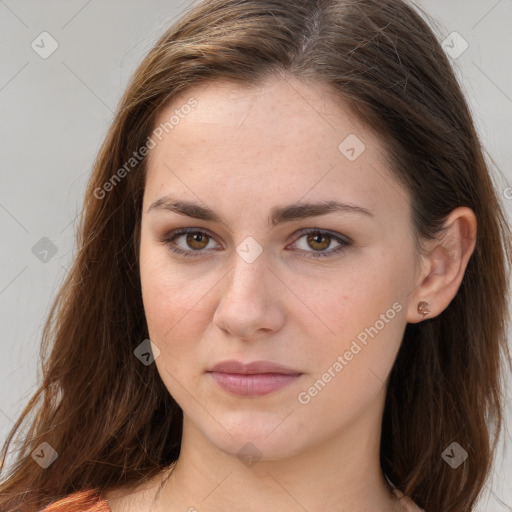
[317, 238]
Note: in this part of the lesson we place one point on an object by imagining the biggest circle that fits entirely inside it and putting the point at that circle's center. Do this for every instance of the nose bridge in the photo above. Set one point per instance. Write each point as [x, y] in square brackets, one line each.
[248, 276]
[246, 306]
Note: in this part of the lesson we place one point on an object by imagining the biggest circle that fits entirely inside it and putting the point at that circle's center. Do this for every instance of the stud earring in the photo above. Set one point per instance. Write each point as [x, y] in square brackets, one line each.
[423, 307]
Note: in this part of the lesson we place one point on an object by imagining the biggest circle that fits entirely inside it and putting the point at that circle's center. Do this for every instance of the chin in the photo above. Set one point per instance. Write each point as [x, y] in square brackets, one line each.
[254, 438]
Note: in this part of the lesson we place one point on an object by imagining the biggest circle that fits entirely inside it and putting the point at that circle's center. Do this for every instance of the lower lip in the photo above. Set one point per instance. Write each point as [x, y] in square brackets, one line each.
[253, 384]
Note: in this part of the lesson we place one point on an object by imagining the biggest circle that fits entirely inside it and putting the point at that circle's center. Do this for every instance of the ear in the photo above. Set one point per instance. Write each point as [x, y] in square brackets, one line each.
[443, 267]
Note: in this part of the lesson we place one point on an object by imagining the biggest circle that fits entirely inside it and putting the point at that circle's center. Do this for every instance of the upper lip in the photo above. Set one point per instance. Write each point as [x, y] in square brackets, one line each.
[254, 367]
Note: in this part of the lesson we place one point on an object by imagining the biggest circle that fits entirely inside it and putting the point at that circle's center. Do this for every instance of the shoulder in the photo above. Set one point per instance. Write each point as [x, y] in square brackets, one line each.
[123, 499]
[128, 499]
[82, 501]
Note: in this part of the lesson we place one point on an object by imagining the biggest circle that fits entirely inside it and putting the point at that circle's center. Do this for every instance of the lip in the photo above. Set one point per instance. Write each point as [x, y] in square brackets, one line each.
[252, 379]
[254, 367]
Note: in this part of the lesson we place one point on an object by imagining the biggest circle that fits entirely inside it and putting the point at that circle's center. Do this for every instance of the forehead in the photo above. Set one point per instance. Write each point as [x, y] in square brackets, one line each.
[280, 112]
[283, 138]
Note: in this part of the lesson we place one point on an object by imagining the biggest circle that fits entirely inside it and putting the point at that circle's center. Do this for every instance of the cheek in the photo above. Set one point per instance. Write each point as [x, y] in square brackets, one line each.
[175, 308]
[362, 321]
[351, 300]
[163, 291]
[175, 326]
[163, 298]
[171, 308]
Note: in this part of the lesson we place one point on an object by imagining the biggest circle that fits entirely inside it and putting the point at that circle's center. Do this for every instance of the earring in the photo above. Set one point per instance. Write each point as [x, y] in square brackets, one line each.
[423, 307]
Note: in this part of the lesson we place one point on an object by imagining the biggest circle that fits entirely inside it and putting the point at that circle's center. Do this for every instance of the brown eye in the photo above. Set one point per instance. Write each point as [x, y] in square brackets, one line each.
[196, 240]
[318, 241]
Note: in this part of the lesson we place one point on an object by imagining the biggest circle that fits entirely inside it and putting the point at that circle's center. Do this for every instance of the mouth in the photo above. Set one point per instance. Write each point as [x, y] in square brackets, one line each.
[252, 379]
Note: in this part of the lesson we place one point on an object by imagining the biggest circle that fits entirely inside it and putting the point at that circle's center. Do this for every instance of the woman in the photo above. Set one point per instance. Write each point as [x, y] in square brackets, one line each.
[291, 286]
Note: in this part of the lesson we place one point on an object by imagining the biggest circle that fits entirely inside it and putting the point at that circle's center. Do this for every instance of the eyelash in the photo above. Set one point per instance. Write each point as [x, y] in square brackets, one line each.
[170, 237]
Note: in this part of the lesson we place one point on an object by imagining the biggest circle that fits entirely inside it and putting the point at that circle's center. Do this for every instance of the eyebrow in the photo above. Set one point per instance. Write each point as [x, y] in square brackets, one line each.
[279, 214]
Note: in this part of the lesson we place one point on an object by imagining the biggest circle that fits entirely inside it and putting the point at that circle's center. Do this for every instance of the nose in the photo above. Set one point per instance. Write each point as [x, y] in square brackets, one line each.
[250, 303]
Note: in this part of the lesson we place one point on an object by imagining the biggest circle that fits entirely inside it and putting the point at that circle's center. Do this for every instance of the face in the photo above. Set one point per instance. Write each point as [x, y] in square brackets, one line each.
[323, 293]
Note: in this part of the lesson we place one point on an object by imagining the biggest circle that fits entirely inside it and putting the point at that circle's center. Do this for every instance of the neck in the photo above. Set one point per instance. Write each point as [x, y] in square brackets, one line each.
[341, 473]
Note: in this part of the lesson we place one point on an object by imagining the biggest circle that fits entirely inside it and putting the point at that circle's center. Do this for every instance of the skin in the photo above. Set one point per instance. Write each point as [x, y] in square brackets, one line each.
[242, 152]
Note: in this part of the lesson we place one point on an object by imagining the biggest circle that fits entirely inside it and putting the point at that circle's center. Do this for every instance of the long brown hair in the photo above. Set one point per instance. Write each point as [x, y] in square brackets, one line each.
[110, 418]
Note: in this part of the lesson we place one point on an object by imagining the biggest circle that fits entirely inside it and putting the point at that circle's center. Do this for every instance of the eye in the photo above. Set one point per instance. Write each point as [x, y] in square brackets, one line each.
[198, 240]
[320, 240]
[194, 238]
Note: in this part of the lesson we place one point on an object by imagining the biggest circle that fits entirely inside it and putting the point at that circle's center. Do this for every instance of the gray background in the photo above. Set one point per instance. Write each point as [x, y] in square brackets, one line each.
[55, 113]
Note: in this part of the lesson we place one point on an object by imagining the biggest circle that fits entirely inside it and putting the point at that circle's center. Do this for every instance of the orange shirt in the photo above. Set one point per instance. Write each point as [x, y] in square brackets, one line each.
[79, 502]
